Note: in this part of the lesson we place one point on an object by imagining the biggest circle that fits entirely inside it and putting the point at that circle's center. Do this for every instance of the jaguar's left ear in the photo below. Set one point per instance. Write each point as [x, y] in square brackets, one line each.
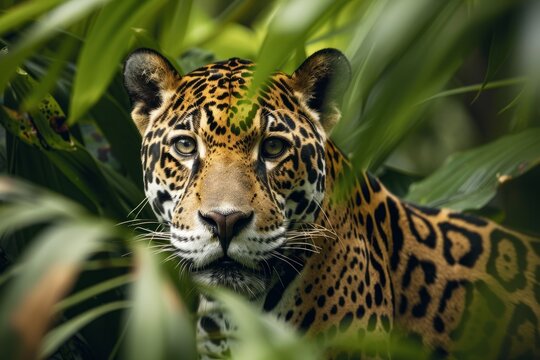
[147, 76]
[322, 79]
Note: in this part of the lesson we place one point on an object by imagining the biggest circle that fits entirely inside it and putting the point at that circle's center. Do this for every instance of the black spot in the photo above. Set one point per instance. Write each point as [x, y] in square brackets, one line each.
[330, 291]
[345, 322]
[473, 220]
[289, 315]
[275, 294]
[372, 322]
[425, 210]
[368, 300]
[428, 240]
[374, 183]
[378, 295]
[360, 311]
[365, 191]
[397, 233]
[308, 320]
[287, 102]
[163, 196]
[428, 268]
[385, 321]
[212, 328]
[475, 245]
[518, 281]
[380, 218]
[289, 121]
[420, 309]
[438, 324]
[403, 304]
[321, 300]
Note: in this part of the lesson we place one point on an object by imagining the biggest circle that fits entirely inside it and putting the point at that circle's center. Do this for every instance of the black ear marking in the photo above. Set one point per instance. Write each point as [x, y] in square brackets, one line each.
[146, 74]
[323, 78]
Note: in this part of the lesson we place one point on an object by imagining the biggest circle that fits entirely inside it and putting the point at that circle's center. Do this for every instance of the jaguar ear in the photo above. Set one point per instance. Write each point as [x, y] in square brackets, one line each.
[322, 79]
[147, 76]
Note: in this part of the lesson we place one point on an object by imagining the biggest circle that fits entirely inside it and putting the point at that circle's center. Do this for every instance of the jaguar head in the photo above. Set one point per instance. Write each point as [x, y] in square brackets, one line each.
[231, 170]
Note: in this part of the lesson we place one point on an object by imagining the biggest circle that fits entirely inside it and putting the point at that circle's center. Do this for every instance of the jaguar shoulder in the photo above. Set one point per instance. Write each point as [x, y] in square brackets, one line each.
[244, 181]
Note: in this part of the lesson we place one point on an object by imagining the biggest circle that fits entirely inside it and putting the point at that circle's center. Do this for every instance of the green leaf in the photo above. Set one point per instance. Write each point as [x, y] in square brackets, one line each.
[92, 291]
[498, 84]
[262, 335]
[158, 326]
[45, 129]
[29, 205]
[59, 335]
[63, 15]
[22, 13]
[50, 265]
[470, 179]
[174, 31]
[106, 44]
[115, 122]
[447, 37]
[290, 27]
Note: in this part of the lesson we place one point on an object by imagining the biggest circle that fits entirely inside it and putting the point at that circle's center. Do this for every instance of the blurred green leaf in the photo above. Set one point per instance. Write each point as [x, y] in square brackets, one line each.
[174, 31]
[44, 127]
[24, 12]
[478, 87]
[446, 37]
[470, 179]
[63, 15]
[263, 336]
[105, 45]
[93, 291]
[62, 333]
[54, 258]
[290, 26]
[30, 206]
[159, 326]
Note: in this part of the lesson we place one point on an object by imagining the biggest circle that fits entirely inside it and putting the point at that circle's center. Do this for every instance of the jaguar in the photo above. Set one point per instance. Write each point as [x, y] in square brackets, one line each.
[245, 180]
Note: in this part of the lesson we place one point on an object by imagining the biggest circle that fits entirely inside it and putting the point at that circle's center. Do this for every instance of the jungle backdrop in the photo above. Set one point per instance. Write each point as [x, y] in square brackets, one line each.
[443, 107]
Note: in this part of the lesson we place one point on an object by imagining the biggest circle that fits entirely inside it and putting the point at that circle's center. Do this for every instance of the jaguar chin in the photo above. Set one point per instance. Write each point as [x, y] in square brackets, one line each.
[228, 273]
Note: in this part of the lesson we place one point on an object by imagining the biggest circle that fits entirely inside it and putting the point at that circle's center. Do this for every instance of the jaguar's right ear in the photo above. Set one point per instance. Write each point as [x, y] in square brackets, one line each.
[147, 76]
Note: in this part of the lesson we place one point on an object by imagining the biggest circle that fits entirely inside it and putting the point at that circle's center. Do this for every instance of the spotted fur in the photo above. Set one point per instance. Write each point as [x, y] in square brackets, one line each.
[369, 264]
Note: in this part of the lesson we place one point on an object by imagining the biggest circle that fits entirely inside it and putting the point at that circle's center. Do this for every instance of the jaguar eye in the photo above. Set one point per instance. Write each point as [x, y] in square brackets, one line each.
[273, 147]
[185, 145]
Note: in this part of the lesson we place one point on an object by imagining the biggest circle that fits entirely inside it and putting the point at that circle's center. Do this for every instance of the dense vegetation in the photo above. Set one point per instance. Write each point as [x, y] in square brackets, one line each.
[443, 106]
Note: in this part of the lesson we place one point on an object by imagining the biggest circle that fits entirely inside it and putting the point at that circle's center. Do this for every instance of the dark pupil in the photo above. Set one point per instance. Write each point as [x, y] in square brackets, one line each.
[273, 146]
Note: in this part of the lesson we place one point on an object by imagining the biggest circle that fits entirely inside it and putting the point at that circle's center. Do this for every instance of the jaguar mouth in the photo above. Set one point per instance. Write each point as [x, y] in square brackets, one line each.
[231, 274]
[224, 263]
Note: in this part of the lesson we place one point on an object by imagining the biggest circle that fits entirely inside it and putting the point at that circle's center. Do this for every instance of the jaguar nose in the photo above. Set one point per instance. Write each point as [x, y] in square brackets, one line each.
[226, 226]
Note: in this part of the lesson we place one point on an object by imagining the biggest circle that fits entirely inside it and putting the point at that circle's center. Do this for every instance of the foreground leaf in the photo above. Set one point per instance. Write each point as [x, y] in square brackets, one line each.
[158, 324]
[51, 267]
[105, 45]
[62, 333]
[263, 336]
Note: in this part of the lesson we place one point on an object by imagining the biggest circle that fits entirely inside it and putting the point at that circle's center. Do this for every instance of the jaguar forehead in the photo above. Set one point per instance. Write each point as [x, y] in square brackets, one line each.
[219, 98]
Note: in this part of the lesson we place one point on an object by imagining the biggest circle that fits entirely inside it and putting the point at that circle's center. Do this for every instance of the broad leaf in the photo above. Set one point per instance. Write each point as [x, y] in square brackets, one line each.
[470, 179]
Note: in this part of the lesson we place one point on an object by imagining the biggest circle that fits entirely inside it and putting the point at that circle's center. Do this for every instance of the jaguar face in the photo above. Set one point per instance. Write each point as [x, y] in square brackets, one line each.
[231, 173]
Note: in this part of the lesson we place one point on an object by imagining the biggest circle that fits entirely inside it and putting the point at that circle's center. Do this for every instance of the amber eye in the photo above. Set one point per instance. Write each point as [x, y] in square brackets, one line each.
[185, 145]
[273, 147]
